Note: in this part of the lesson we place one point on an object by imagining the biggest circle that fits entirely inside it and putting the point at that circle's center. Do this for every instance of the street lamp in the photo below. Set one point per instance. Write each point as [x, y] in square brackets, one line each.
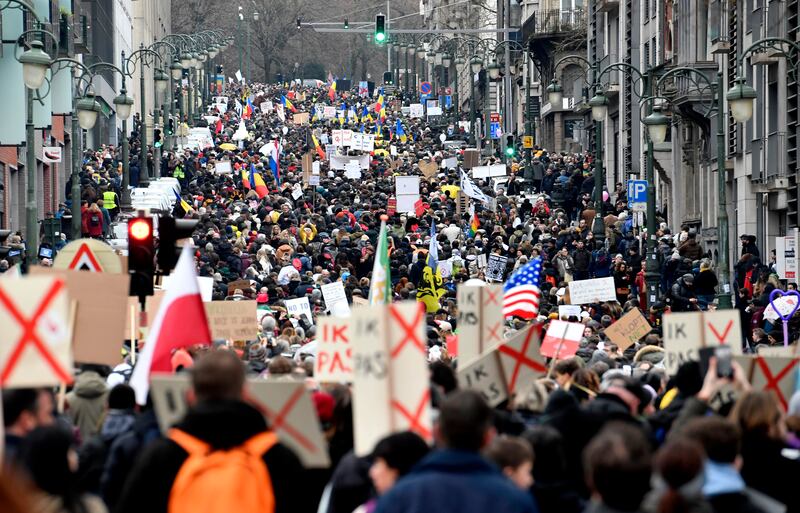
[446, 59]
[123, 104]
[87, 108]
[186, 60]
[741, 98]
[494, 70]
[657, 125]
[35, 63]
[475, 64]
[599, 105]
[161, 80]
[176, 69]
[554, 93]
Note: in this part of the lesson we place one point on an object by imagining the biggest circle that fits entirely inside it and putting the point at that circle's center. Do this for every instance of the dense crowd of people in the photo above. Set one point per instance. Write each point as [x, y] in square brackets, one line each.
[608, 430]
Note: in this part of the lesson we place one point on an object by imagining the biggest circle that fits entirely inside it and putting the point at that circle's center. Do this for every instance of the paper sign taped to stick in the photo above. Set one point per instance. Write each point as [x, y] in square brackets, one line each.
[232, 320]
[35, 325]
[485, 376]
[334, 352]
[562, 339]
[496, 268]
[595, 290]
[480, 320]
[336, 299]
[686, 332]
[291, 415]
[628, 329]
[102, 302]
[390, 373]
[521, 360]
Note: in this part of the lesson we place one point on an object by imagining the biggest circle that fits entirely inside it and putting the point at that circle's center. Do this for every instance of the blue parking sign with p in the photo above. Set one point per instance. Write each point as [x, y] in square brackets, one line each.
[637, 191]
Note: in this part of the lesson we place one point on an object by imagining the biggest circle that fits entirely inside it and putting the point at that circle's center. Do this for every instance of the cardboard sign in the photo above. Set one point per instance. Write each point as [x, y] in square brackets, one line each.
[628, 329]
[419, 208]
[334, 352]
[232, 320]
[291, 415]
[299, 306]
[521, 360]
[683, 336]
[595, 290]
[775, 374]
[168, 392]
[223, 166]
[496, 268]
[335, 299]
[562, 339]
[480, 319]
[300, 118]
[472, 158]
[329, 112]
[485, 376]
[428, 169]
[35, 324]
[390, 373]
[243, 285]
[102, 299]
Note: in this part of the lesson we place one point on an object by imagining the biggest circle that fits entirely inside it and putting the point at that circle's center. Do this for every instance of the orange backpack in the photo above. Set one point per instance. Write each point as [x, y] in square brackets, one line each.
[222, 480]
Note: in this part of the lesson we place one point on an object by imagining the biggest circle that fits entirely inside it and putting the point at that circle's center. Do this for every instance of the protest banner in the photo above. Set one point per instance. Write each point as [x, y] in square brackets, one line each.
[390, 373]
[480, 319]
[334, 361]
[232, 320]
[628, 329]
[520, 358]
[485, 376]
[101, 299]
[769, 373]
[562, 339]
[496, 268]
[299, 306]
[36, 321]
[335, 299]
[291, 415]
[595, 290]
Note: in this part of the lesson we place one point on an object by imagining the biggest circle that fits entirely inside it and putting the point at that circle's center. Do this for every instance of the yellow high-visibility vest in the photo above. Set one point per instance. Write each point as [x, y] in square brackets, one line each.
[109, 200]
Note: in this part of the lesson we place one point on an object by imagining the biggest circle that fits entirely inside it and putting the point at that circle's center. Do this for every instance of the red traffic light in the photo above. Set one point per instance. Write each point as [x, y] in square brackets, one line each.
[139, 229]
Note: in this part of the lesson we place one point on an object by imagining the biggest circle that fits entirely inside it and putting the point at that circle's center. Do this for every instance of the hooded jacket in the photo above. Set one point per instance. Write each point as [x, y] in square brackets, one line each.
[87, 402]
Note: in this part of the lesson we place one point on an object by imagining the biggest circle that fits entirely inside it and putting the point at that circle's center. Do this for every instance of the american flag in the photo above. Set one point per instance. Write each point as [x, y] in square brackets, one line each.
[521, 293]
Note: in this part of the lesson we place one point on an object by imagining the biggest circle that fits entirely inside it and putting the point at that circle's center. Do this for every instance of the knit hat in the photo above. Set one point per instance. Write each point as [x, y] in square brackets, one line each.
[324, 404]
[257, 352]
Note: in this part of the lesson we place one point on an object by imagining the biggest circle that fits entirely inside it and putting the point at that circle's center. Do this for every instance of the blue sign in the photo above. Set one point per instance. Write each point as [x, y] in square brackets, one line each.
[494, 130]
[425, 88]
[637, 191]
[448, 101]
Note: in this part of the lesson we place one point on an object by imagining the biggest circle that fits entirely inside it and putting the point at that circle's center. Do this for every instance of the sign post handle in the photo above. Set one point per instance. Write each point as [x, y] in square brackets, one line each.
[134, 336]
[558, 351]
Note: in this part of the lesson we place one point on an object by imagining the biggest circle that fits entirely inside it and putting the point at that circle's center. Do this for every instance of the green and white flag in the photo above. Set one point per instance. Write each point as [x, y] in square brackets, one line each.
[380, 291]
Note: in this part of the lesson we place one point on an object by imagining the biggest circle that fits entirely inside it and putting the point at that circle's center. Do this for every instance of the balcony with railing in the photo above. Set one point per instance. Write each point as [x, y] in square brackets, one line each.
[546, 23]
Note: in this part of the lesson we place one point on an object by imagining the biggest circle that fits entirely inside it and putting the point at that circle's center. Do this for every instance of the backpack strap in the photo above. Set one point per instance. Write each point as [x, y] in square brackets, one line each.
[192, 445]
[259, 444]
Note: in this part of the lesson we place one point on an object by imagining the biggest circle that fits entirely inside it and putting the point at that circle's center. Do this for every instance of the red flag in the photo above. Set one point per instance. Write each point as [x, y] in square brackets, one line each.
[180, 322]
[218, 128]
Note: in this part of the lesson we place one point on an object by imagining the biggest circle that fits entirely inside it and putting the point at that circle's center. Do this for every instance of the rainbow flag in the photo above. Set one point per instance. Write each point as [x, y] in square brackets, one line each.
[474, 226]
[288, 104]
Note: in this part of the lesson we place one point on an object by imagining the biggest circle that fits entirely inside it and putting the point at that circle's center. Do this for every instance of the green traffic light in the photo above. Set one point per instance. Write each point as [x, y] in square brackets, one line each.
[380, 37]
[510, 152]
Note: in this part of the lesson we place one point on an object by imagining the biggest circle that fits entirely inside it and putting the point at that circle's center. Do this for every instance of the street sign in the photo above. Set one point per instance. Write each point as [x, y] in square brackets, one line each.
[637, 194]
[88, 255]
[495, 131]
[494, 117]
[527, 142]
[51, 154]
[425, 88]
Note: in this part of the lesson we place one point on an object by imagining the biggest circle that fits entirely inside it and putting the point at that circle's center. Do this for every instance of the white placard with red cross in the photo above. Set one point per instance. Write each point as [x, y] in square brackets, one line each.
[480, 320]
[291, 415]
[778, 375]
[485, 376]
[334, 360]
[390, 373]
[35, 333]
[686, 332]
[562, 339]
[521, 360]
[723, 327]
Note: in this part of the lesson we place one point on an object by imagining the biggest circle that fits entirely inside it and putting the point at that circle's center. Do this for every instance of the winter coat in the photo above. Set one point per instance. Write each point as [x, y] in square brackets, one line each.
[87, 403]
[582, 259]
[94, 453]
[691, 249]
[455, 481]
[222, 424]
[705, 283]
[766, 469]
[563, 264]
[680, 295]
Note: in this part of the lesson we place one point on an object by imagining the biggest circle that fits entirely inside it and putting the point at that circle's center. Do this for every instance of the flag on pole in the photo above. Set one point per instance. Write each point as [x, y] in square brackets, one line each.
[245, 179]
[248, 110]
[472, 190]
[274, 160]
[430, 286]
[317, 147]
[257, 183]
[332, 90]
[179, 323]
[182, 202]
[288, 104]
[475, 225]
[400, 132]
[521, 293]
[379, 105]
[380, 290]
[433, 249]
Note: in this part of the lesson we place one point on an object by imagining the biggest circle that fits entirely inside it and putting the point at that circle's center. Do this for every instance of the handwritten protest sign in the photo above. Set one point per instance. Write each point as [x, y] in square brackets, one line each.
[775, 374]
[485, 376]
[390, 373]
[628, 329]
[35, 320]
[592, 291]
[335, 299]
[496, 268]
[334, 351]
[480, 319]
[567, 311]
[686, 332]
[231, 320]
[299, 306]
[300, 118]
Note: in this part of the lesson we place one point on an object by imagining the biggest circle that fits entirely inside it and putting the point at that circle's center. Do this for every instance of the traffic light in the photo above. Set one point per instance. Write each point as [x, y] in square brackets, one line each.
[298, 23]
[158, 140]
[380, 28]
[141, 253]
[170, 128]
[387, 77]
[511, 148]
[346, 23]
[170, 231]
